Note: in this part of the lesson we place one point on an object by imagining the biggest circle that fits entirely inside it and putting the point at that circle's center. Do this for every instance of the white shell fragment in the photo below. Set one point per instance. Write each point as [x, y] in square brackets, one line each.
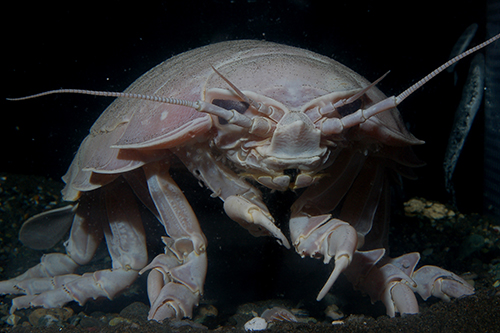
[256, 324]
[278, 314]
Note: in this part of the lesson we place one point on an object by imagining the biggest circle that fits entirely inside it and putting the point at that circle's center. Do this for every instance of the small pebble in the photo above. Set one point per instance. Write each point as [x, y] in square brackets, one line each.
[206, 313]
[13, 319]
[136, 310]
[278, 314]
[185, 322]
[119, 320]
[333, 312]
[48, 317]
[256, 324]
[74, 320]
[49, 320]
[87, 322]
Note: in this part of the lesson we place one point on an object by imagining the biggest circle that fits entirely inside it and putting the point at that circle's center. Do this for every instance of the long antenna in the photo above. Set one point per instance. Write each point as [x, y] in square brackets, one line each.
[159, 99]
[441, 68]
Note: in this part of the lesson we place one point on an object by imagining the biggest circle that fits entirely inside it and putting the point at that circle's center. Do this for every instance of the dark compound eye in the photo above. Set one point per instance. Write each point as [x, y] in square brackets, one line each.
[347, 109]
[230, 104]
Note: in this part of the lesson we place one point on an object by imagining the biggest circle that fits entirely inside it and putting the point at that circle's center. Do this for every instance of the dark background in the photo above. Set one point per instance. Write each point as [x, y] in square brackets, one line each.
[109, 45]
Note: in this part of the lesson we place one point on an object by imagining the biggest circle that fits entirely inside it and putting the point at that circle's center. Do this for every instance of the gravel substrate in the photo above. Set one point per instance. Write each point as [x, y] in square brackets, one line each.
[467, 245]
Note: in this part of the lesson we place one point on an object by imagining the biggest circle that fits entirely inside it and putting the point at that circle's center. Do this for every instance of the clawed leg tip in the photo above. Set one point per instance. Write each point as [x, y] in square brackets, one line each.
[321, 295]
[284, 242]
[341, 264]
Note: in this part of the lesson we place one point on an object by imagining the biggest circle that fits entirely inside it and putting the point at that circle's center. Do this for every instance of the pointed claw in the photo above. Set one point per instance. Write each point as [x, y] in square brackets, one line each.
[253, 218]
[259, 219]
[318, 235]
[340, 265]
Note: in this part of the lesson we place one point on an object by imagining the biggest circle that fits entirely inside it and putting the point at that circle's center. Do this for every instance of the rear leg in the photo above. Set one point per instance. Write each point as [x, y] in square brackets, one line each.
[124, 233]
[394, 281]
[55, 269]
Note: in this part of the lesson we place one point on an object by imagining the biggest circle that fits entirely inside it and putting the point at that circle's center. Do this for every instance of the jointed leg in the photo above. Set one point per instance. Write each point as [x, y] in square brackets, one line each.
[242, 202]
[175, 283]
[126, 243]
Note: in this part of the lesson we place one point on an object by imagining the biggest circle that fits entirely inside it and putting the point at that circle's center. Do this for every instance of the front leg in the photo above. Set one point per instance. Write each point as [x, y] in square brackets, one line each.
[355, 191]
[318, 236]
[175, 283]
[313, 230]
[242, 202]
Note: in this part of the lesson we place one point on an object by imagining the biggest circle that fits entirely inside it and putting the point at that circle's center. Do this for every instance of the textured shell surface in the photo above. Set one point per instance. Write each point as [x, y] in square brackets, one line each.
[132, 132]
[290, 75]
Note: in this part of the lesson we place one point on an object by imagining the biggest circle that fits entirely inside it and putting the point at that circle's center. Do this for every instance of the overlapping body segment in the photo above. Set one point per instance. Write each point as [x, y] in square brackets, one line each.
[235, 114]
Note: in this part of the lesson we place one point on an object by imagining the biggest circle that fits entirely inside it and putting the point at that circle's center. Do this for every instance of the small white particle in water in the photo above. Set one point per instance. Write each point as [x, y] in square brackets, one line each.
[256, 324]
[164, 115]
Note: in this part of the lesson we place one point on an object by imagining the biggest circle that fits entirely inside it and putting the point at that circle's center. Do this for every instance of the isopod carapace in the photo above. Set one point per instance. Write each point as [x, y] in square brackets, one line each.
[236, 114]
